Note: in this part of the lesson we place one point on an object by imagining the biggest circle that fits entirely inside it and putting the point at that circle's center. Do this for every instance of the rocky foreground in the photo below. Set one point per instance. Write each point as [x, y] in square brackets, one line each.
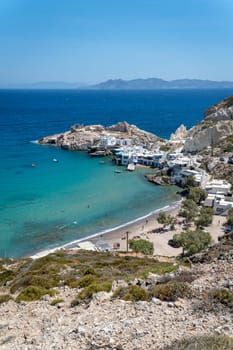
[107, 323]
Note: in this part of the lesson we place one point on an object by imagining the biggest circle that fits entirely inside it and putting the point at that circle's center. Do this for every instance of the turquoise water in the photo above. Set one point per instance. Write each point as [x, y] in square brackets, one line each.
[56, 203]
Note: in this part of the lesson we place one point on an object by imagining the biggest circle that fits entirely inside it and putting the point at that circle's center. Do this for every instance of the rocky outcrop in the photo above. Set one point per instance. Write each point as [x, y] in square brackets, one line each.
[82, 137]
[218, 169]
[158, 179]
[217, 125]
[221, 111]
[180, 134]
[121, 127]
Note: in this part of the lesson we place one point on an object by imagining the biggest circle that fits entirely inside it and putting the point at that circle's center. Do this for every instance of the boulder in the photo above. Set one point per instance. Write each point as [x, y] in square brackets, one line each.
[180, 134]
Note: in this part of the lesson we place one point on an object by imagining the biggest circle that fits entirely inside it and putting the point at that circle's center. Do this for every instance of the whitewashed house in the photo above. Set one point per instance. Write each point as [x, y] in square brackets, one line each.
[220, 187]
[123, 142]
[222, 205]
[108, 141]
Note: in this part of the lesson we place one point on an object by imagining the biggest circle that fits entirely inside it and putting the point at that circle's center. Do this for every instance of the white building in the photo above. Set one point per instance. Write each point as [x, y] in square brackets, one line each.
[181, 174]
[159, 158]
[108, 141]
[220, 187]
[222, 205]
[137, 155]
[219, 202]
[123, 142]
[112, 141]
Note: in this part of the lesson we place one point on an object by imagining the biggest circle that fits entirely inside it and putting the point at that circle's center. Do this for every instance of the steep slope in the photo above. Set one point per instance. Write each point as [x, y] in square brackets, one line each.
[221, 111]
[110, 320]
[216, 126]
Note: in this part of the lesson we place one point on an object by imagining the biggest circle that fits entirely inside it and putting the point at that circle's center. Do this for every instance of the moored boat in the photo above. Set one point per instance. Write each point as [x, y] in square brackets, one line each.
[131, 167]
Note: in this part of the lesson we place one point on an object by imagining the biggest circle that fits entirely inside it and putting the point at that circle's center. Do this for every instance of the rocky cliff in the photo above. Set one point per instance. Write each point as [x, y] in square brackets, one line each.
[221, 111]
[216, 126]
[82, 137]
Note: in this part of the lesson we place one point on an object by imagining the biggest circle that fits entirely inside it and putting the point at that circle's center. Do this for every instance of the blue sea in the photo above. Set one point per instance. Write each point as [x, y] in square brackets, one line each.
[55, 203]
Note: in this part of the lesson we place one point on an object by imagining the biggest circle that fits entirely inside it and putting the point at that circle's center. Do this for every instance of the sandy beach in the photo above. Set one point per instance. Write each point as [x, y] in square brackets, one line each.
[145, 228]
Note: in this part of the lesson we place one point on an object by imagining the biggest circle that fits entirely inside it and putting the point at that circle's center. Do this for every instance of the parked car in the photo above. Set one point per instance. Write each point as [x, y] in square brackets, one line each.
[228, 229]
[173, 243]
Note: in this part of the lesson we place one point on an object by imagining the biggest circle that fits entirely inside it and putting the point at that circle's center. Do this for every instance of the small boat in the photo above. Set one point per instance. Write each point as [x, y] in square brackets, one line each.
[33, 165]
[117, 171]
[55, 160]
[98, 154]
[131, 167]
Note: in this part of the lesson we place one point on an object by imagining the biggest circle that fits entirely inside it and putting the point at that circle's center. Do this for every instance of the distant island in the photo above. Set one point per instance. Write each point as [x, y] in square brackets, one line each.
[156, 83]
[121, 84]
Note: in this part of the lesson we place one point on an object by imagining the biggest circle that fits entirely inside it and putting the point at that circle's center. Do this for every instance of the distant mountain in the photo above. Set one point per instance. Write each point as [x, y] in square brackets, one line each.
[48, 85]
[135, 84]
[156, 83]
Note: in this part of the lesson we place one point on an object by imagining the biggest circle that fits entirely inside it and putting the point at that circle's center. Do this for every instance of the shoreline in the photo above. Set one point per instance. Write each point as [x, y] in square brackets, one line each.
[115, 233]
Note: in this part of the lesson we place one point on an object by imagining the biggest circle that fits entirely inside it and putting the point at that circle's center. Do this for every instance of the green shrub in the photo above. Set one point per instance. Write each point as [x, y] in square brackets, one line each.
[83, 282]
[131, 293]
[7, 261]
[223, 296]
[52, 263]
[164, 148]
[141, 246]
[159, 268]
[192, 242]
[88, 271]
[33, 293]
[56, 301]
[205, 218]
[41, 281]
[6, 276]
[197, 194]
[4, 298]
[189, 209]
[86, 294]
[230, 217]
[230, 138]
[204, 342]
[171, 291]
[136, 293]
[120, 292]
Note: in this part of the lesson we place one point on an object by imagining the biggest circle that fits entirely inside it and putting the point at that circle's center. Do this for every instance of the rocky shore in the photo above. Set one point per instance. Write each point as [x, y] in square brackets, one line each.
[81, 137]
[159, 179]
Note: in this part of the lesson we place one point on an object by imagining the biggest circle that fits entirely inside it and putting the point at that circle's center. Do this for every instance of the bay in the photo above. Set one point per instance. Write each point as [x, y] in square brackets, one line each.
[54, 203]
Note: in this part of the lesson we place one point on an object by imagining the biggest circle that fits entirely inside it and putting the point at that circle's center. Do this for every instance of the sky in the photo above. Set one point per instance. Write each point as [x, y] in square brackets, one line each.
[95, 40]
